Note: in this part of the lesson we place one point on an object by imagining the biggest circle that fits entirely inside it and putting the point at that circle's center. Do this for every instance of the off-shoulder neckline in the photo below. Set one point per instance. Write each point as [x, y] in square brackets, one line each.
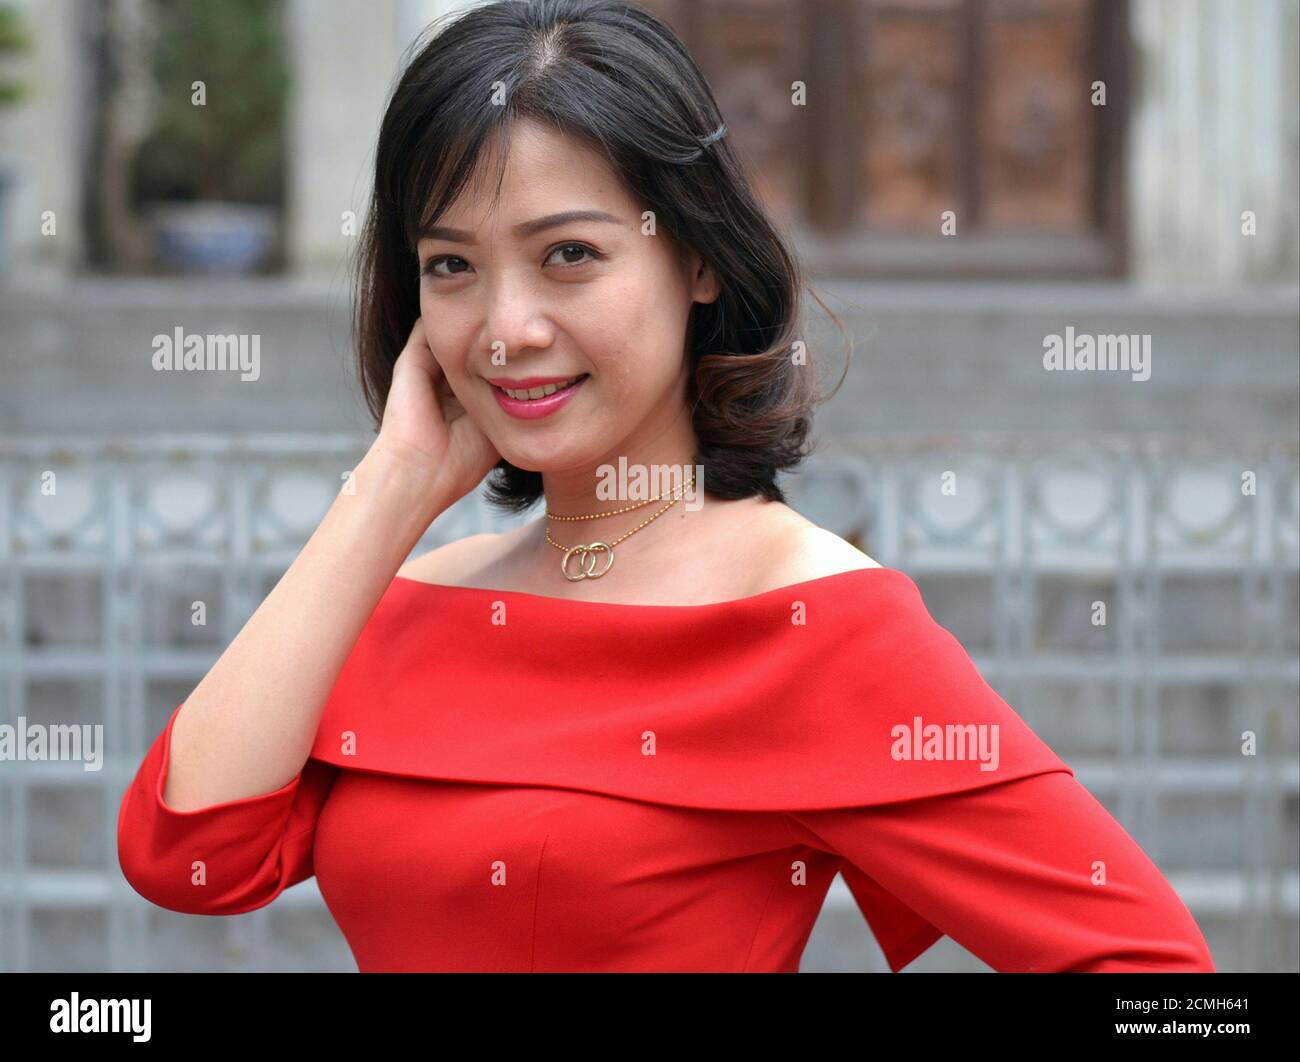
[731, 603]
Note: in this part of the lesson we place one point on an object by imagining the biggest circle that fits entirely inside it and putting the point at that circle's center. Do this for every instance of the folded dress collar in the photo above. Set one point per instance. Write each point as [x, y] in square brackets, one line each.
[840, 691]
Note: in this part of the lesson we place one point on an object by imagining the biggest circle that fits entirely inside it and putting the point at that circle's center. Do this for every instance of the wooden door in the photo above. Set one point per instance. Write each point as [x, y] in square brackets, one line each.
[930, 137]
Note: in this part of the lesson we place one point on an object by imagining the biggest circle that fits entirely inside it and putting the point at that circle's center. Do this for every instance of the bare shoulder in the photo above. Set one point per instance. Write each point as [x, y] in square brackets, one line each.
[796, 550]
[452, 563]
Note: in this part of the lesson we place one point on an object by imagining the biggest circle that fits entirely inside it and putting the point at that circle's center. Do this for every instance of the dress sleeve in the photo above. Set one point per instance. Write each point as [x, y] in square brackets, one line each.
[1030, 875]
[224, 859]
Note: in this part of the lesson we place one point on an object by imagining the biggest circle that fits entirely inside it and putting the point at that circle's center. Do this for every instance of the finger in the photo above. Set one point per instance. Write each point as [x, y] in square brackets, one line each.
[417, 337]
[451, 405]
[417, 350]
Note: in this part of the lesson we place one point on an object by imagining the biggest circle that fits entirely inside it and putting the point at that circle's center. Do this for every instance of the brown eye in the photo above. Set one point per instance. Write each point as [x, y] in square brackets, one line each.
[571, 248]
[430, 268]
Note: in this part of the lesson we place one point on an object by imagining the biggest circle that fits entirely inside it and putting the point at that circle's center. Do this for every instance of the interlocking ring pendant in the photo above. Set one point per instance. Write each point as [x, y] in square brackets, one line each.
[587, 560]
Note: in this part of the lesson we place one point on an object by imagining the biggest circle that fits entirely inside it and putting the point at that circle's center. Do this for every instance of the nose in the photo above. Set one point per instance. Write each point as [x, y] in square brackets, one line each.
[516, 320]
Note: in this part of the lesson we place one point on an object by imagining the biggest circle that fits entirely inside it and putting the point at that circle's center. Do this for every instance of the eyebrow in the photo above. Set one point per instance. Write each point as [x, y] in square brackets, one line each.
[524, 228]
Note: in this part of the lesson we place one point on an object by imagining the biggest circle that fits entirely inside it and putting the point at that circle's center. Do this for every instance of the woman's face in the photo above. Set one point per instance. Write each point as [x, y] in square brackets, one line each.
[506, 294]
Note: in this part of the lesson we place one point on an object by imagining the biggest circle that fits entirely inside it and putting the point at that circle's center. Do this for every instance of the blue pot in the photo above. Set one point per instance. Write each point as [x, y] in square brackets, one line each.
[208, 237]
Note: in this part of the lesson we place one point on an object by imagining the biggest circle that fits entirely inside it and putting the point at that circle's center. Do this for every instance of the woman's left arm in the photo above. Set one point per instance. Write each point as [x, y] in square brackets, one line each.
[1030, 875]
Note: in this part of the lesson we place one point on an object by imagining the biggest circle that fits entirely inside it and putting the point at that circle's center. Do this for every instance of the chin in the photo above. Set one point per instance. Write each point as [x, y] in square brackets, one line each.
[549, 461]
[532, 461]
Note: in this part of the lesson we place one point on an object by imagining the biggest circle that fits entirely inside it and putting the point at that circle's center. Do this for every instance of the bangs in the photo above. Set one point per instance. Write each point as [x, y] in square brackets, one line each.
[446, 158]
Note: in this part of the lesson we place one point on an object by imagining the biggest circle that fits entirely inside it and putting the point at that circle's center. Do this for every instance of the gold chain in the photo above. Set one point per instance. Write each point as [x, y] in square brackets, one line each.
[587, 569]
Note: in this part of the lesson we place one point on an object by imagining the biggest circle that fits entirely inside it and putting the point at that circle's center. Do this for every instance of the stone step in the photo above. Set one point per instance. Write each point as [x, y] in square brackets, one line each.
[929, 357]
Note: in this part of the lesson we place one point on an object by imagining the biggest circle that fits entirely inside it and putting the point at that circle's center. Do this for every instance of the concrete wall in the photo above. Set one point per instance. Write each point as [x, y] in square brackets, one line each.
[928, 358]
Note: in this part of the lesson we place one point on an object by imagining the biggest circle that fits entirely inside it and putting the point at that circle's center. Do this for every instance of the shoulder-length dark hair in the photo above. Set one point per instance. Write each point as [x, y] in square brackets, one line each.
[614, 75]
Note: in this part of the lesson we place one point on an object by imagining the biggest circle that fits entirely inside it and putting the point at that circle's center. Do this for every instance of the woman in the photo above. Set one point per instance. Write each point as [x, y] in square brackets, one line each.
[513, 753]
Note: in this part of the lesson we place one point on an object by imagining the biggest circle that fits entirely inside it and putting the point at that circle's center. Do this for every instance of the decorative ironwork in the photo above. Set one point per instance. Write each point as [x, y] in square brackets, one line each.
[1194, 551]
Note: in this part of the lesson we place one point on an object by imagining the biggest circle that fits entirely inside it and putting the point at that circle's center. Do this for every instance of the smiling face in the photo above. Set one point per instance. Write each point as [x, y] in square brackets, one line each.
[590, 296]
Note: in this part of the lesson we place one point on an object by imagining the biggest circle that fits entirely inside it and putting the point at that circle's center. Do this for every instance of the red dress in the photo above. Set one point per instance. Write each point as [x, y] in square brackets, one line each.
[503, 781]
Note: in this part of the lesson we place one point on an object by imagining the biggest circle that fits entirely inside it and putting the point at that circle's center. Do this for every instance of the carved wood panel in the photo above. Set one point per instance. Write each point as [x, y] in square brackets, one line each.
[918, 107]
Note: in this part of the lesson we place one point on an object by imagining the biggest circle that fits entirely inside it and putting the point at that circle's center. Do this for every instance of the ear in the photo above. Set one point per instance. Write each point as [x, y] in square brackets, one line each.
[705, 286]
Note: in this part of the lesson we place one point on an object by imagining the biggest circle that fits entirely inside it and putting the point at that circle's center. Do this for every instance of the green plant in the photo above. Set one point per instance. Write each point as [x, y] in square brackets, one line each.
[231, 147]
[13, 41]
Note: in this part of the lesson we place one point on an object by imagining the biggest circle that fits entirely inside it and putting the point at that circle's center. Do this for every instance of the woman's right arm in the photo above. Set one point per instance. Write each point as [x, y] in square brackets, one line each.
[226, 822]
[248, 726]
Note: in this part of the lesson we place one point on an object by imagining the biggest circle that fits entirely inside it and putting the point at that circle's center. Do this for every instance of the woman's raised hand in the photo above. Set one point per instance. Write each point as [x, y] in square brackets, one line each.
[425, 422]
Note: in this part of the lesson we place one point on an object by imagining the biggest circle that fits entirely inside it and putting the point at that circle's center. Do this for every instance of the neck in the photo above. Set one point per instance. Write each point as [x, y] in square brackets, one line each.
[621, 482]
[615, 482]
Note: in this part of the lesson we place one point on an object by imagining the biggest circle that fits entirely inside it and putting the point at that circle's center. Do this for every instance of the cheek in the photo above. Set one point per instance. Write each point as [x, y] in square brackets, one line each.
[447, 337]
[631, 336]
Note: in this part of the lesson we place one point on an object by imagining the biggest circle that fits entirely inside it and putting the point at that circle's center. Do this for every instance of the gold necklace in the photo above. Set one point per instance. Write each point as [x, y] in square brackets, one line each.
[587, 552]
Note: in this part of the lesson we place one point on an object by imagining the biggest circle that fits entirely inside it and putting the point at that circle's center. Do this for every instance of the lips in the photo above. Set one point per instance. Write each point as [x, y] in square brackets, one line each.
[526, 407]
[537, 387]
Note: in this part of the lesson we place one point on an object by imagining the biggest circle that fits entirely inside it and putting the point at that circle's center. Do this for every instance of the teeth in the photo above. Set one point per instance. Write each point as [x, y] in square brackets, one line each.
[540, 392]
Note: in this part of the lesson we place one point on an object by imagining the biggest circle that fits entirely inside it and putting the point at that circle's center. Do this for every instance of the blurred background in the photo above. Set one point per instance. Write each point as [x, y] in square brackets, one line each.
[962, 178]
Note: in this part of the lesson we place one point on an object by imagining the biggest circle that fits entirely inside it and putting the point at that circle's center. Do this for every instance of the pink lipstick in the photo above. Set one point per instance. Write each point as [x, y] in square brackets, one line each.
[533, 408]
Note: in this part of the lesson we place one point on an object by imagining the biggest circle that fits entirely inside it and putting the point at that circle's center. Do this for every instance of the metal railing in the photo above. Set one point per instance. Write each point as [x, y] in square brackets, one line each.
[1194, 549]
